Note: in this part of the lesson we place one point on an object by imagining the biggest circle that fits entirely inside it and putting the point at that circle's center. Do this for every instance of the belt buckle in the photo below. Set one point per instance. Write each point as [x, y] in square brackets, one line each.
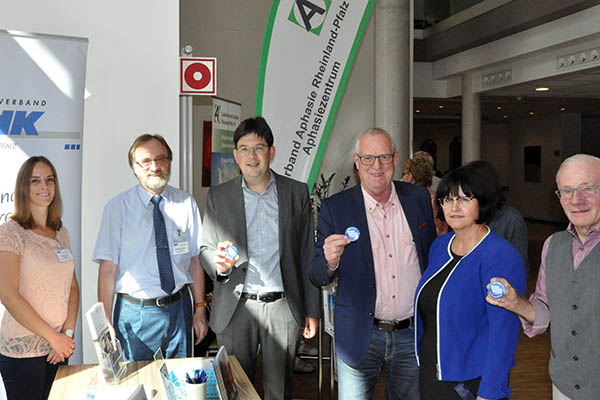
[386, 326]
[266, 298]
[158, 299]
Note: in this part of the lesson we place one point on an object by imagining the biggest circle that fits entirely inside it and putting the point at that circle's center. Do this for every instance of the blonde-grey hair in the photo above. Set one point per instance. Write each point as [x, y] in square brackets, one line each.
[374, 132]
[578, 158]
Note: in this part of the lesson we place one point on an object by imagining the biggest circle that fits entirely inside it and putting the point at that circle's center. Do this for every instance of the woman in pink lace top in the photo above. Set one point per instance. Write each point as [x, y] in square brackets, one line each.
[38, 286]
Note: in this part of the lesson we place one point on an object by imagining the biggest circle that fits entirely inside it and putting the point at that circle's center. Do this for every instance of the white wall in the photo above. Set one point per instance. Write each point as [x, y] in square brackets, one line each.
[502, 145]
[494, 144]
[559, 137]
[495, 150]
[132, 76]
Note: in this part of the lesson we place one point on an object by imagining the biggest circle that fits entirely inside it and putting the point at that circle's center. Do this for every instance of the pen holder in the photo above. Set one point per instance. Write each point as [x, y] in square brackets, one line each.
[195, 391]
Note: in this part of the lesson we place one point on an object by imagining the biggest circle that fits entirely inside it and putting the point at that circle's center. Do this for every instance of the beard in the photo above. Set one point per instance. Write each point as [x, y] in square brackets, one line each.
[155, 181]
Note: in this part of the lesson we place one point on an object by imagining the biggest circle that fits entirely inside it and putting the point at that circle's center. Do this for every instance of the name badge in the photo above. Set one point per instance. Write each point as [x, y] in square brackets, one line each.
[180, 248]
[64, 255]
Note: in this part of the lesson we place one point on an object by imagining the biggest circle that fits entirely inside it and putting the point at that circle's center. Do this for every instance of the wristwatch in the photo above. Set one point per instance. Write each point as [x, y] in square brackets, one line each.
[69, 333]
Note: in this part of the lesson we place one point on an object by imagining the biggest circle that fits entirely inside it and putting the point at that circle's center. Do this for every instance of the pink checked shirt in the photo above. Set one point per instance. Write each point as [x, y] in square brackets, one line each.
[397, 270]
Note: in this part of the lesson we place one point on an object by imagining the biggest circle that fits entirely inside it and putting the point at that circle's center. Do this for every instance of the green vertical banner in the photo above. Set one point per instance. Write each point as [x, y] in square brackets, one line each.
[308, 53]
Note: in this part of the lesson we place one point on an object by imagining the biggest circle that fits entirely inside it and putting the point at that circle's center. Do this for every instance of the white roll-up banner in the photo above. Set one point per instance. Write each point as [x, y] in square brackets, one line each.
[42, 84]
[308, 52]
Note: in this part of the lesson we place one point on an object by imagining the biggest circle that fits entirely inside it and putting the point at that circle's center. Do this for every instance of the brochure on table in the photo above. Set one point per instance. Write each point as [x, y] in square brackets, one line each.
[110, 355]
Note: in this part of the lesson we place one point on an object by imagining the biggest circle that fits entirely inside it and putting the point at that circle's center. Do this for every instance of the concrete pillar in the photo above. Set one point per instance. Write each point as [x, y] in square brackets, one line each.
[393, 72]
[471, 121]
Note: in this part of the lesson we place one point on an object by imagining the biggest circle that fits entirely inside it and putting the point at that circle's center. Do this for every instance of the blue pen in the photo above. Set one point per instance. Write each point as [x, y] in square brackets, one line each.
[187, 378]
[203, 377]
[197, 376]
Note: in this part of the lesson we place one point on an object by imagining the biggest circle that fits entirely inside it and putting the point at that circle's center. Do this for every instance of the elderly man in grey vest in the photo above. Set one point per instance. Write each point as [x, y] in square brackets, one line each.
[567, 287]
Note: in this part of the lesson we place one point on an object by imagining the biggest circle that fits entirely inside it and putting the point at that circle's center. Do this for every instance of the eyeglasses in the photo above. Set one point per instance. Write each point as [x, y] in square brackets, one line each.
[259, 149]
[369, 159]
[462, 201]
[585, 191]
[146, 163]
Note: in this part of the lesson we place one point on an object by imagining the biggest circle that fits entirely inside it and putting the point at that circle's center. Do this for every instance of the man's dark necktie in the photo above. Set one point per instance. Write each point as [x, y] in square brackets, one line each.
[165, 269]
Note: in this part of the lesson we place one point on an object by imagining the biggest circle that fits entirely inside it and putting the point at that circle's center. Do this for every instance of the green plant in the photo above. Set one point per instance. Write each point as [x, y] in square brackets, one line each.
[321, 189]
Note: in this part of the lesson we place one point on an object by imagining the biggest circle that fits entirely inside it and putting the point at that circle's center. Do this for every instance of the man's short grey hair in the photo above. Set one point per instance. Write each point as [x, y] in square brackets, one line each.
[578, 158]
[374, 132]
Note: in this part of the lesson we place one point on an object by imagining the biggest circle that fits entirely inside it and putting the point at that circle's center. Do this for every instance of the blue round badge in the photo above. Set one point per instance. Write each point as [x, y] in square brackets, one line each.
[352, 233]
[496, 290]
[231, 251]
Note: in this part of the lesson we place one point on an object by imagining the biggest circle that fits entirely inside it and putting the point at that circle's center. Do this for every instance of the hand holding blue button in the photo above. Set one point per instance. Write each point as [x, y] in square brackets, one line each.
[231, 252]
[496, 290]
[225, 257]
[333, 248]
[352, 233]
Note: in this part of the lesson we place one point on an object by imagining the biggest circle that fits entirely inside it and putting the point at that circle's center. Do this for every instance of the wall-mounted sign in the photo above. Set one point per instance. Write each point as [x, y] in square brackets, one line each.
[198, 75]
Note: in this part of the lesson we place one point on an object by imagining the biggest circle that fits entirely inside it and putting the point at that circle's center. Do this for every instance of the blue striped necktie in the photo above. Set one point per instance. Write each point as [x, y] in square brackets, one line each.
[165, 269]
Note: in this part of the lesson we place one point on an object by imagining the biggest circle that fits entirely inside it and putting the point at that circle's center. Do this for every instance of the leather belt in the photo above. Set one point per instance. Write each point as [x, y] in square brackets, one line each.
[390, 326]
[157, 302]
[263, 297]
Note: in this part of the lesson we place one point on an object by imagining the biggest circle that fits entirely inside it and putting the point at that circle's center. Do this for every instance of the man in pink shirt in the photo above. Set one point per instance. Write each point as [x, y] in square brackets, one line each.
[567, 287]
[374, 238]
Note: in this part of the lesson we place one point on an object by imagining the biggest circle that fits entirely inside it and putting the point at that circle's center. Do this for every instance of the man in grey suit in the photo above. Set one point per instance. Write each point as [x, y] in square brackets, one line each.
[262, 296]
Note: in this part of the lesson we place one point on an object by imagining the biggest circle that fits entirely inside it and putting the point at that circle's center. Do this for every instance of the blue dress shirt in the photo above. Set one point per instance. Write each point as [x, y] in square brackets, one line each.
[126, 238]
[262, 228]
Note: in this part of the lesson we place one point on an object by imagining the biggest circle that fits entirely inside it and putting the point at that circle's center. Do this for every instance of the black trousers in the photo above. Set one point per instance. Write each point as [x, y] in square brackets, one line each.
[27, 378]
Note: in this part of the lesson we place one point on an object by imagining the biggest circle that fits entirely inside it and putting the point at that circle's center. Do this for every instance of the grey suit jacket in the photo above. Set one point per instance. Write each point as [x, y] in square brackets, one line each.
[225, 219]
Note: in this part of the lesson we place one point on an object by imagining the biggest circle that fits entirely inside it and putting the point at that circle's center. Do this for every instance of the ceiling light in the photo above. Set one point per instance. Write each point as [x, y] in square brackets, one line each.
[440, 107]
[531, 113]
[542, 89]
[506, 116]
[499, 108]
[562, 109]
[417, 110]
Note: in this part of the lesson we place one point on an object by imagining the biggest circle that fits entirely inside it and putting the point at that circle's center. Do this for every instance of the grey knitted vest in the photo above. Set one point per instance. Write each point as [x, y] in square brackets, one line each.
[574, 302]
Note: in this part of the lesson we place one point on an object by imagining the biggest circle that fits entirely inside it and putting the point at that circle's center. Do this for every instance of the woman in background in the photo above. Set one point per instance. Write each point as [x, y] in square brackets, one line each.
[38, 287]
[419, 171]
[508, 221]
[464, 343]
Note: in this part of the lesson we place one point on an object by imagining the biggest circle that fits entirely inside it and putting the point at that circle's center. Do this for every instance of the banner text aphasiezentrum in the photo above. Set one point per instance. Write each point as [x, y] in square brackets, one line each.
[317, 101]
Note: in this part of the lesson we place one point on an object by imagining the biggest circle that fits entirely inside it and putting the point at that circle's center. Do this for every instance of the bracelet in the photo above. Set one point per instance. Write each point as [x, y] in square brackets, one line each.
[202, 304]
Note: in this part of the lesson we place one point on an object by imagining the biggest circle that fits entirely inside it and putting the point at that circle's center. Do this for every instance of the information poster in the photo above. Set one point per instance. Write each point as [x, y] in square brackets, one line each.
[225, 118]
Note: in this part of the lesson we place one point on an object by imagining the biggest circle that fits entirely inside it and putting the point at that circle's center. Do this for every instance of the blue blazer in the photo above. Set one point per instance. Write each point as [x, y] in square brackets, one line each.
[356, 292]
[475, 338]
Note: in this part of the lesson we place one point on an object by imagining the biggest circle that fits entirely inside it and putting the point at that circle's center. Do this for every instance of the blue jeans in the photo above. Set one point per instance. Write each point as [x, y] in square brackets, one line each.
[143, 329]
[394, 352]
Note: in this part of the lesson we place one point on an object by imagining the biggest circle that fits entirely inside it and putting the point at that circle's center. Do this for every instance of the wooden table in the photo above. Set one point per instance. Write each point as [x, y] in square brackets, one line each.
[72, 380]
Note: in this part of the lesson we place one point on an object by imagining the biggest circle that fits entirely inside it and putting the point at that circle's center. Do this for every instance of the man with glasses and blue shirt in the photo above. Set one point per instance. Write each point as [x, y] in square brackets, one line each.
[148, 250]
[375, 238]
[262, 294]
[567, 293]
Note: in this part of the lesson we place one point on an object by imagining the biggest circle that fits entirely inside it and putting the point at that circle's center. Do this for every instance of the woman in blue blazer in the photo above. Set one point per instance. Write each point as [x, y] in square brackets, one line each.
[462, 342]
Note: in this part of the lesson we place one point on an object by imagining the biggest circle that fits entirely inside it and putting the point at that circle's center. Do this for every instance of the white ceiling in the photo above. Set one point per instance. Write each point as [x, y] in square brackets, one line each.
[582, 84]
[573, 92]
